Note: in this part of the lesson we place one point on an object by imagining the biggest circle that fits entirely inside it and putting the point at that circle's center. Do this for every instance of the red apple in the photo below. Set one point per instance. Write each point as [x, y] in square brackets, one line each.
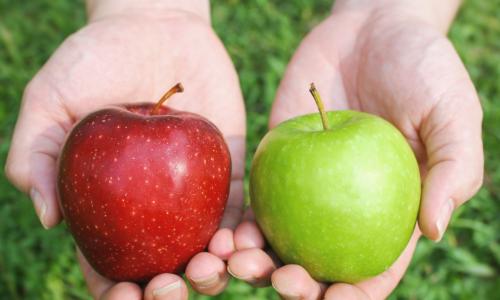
[143, 187]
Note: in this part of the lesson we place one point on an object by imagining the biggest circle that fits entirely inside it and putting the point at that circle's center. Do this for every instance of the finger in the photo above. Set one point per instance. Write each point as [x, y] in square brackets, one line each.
[248, 235]
[166, 287]
[123, 291]
[346, 291]
[207, 274]
[96, 283]
[248, 215]
[452, 136]
[234, 207]
[222, 243]
[293, 282]
[38, 136]
[251, 265]
[380, 286]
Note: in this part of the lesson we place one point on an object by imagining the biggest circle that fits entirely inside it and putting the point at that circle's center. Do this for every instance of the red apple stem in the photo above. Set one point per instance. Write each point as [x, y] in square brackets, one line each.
[178, 88]
[317, 98]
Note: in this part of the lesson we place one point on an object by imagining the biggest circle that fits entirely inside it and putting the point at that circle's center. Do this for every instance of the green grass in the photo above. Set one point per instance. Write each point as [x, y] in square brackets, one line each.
[39, 264]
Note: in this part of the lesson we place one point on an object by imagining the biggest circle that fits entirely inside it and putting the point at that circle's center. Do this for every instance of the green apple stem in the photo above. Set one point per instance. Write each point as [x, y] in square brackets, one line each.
[178, 88]
[319, 104]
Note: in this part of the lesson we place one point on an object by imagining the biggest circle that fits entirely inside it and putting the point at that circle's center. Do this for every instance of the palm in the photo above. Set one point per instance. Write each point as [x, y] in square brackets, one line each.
[402, 70]
[125, 59]
[129, 59]
[408, 73]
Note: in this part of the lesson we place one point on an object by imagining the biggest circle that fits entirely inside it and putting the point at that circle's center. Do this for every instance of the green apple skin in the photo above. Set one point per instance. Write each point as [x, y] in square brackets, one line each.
[342, 202]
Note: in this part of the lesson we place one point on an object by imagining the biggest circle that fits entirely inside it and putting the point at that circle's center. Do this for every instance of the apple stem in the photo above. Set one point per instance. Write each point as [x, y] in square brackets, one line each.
[317, 98]
[178, 88]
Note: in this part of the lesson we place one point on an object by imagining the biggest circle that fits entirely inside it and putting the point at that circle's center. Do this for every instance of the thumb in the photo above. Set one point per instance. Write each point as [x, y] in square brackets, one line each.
[35, 145]
[452, 136]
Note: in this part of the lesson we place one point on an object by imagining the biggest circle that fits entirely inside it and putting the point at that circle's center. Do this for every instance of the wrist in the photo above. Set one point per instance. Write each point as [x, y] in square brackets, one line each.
[438, 14]
[97, 9]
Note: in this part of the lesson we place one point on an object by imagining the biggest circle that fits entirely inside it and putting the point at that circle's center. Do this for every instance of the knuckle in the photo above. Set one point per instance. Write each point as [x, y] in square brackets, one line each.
[473, 185]
[477, 182]
[13, 172]
[9, 170]
[477, 176]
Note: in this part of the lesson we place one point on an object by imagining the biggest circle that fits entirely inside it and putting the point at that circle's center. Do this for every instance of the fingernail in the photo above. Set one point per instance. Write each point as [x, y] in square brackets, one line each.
[249, 279]
[206, 282]
[283, 294]
[40, 206]
[444, 217]
[169, 291]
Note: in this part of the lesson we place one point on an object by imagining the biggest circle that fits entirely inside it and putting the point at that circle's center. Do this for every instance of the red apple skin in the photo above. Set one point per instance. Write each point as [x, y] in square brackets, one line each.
[142, 193]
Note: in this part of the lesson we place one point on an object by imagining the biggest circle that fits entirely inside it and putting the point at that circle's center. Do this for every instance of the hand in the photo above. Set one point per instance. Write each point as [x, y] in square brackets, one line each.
[132, 56]
[387, 61]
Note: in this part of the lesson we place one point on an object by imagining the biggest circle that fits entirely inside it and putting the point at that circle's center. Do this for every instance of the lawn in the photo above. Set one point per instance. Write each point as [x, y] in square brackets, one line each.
[39, 264]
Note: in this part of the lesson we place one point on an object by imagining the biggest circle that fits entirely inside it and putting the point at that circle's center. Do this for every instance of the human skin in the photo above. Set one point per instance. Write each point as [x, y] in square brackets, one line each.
[133, 51]
[436, 108]
[392, 59]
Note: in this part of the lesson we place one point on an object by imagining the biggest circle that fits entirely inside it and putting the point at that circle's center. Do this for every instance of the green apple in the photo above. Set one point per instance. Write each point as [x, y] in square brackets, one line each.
[337, 193]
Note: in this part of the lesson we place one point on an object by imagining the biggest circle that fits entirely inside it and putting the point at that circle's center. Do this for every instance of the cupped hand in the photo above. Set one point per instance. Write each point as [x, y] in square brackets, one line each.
[392, 63]
[132, 56]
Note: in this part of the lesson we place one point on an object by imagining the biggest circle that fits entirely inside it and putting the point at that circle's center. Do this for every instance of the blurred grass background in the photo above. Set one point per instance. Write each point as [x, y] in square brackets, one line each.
[39, 264]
